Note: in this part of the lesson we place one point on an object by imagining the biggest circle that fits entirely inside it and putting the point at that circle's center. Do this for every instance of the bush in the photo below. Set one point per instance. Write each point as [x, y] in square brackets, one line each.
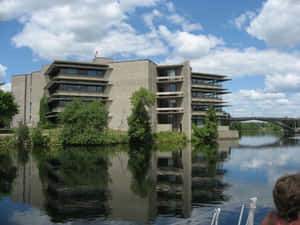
[209, 132]
[8, 141]
[84, 124]
[170, 141]
[22, 134]
[37, 137]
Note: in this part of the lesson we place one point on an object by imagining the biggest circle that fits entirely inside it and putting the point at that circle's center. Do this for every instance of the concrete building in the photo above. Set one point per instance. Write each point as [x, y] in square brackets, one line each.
[183, 96]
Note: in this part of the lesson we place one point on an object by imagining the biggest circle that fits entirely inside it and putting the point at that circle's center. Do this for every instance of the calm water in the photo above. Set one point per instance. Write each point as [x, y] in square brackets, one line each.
[119, 185]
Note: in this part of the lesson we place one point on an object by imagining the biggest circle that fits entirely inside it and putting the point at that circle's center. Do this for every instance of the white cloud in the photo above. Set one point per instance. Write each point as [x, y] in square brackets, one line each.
[149, 17]
[240, 21]
[263, 103]
[2, 72]
[184, 23]
[6, 87]
[277, 23]
[62, 30]
[257, 94]
[283, 83]
[170, 6]
[249, 61]
[187, 45]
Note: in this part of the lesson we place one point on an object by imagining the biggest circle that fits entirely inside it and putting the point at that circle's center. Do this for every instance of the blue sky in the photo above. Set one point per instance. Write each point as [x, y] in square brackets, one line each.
[255, 42]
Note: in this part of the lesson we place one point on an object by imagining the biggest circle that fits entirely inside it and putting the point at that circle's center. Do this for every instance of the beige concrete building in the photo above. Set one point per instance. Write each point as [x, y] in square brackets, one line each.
[183, 96]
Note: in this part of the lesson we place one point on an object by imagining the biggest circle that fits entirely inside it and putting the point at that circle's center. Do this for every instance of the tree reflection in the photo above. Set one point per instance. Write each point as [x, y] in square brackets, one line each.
[138, 164]
[75, 180]
[207, 174]
[7, 172]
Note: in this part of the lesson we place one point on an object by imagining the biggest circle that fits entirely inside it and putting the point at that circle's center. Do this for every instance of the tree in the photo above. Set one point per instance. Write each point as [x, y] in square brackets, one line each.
[8, 107]
[209, 132]
[139, 130]
[44, 109]
[83, 122]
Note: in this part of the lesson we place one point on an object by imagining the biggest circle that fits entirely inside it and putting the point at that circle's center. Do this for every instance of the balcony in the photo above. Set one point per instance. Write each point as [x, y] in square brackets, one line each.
[209, 100]
[170, 94]
[169, 79]
[203, 113]
[207, 86]
[78, 81]
[78, 93]
[170, 110]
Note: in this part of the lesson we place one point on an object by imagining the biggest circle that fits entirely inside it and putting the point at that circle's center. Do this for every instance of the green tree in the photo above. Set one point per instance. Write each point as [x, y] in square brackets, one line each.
[139, 121]
[83, 123]
[44, 109]
[209, 132]
[8, 107]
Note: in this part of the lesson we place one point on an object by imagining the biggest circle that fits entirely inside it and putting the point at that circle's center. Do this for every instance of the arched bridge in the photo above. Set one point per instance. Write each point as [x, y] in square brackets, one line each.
[288, 124]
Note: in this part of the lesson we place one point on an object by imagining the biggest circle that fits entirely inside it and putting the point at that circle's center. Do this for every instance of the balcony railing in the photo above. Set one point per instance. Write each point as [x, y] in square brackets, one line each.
[170, 110]
[169, 79]
[169, 94]
[203, 113]
[208, 86]
[210, 100]
[78, 93]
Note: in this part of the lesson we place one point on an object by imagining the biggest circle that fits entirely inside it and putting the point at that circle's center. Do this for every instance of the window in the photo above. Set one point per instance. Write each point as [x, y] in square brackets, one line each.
[99, 73]
[172, 87]
[92, 72]
[171, 72]
[78, 88]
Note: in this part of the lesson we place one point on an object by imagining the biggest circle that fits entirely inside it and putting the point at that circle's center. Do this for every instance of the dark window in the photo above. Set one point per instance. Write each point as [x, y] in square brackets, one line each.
[72, 71]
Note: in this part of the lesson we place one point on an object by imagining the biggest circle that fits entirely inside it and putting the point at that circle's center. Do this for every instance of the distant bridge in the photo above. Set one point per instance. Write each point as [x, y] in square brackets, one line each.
[288, 124]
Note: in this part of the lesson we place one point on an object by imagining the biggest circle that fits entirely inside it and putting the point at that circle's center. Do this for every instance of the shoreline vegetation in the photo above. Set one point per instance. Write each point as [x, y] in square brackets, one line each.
[257, 127]
[162, 141]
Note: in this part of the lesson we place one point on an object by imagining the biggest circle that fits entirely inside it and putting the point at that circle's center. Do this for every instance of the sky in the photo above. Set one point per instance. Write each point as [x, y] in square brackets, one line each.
[255, 42]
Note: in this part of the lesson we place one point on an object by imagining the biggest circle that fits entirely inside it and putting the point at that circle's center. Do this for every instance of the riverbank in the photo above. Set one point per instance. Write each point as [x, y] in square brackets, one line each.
[51, 137]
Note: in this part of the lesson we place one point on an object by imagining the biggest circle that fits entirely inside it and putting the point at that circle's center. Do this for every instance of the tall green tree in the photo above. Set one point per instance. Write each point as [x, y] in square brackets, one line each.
[8, 107]
[44, 109]
[83, 122]
[139, 130]
[209, 132]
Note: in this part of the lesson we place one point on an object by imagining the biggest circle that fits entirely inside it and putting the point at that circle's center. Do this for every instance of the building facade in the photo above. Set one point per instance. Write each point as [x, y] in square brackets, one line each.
[183, 96]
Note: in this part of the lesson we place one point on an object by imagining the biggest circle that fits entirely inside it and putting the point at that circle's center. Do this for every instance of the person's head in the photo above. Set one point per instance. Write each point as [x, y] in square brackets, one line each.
[286, 194]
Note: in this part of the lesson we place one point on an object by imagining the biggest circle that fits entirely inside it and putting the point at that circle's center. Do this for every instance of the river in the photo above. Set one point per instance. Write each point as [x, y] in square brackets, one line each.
[118, 185]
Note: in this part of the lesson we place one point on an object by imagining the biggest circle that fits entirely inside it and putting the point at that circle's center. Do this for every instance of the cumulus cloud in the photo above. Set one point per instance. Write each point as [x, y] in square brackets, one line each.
[262, 103]
[249, 61]
[62, 30]
[257, 94]
[6, 87]
[2, 72]
[277, 23]
[183, 22]
[283, 83]
[187, 45]
[240, 21]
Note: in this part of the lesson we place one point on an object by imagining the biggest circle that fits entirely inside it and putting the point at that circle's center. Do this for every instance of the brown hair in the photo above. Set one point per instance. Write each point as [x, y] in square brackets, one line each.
[286, 194]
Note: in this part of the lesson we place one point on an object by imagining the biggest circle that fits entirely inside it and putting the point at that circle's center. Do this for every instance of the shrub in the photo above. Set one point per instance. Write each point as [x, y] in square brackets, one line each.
[37, 137]
[170, 141]
[22, 134]
[207, 133]
[83, 123]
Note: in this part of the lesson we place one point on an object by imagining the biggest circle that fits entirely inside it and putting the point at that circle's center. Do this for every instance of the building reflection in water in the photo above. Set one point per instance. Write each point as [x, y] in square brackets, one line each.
[27, 186]
[121, 184]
